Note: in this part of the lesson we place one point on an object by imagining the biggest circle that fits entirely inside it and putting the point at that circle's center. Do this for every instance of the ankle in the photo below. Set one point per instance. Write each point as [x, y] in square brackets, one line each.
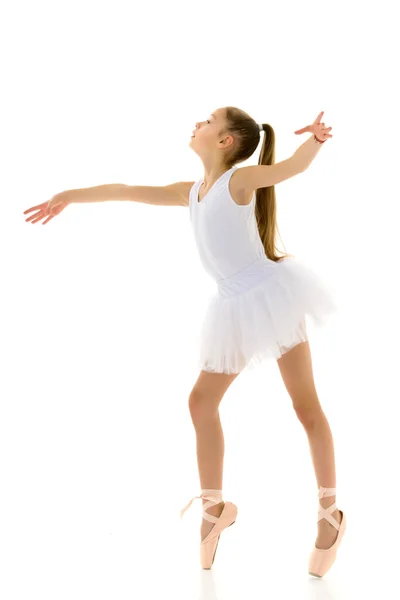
[211, 496]
[327, 496]
[327, 502]
[215, 507]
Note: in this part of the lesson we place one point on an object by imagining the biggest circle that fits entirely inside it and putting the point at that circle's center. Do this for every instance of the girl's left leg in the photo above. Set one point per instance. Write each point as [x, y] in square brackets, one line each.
[296, 370]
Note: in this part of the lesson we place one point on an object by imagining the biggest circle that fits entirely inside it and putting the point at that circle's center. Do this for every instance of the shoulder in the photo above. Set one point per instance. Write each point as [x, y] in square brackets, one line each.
[241, 193]
[178, 193]
[183, 188]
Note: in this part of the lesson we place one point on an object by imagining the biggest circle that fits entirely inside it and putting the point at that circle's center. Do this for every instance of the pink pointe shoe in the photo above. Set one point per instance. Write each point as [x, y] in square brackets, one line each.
[208, 547]
[321, 560]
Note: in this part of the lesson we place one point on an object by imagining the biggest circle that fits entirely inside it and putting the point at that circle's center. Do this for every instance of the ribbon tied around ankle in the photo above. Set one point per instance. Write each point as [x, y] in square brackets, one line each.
[215, 497]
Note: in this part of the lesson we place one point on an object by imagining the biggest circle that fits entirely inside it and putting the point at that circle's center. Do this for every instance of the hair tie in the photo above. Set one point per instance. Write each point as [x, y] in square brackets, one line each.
[261, 127]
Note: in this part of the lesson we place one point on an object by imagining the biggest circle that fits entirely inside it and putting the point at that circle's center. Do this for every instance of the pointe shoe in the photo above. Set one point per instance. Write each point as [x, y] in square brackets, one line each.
[208, 546]
[321, 560]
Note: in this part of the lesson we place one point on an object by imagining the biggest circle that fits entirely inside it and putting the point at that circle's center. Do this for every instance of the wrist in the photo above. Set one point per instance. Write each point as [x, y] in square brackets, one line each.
[70, 196]
[317, 141]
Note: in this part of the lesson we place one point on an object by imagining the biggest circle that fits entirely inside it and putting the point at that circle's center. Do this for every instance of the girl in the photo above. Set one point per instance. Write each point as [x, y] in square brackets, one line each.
[260, 306]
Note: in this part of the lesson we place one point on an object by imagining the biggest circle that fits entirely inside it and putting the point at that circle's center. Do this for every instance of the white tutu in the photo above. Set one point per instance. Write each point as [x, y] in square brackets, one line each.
[260, 313]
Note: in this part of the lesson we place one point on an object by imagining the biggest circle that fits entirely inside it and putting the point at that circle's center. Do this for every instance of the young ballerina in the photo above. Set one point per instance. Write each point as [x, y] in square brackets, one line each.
[259, 309]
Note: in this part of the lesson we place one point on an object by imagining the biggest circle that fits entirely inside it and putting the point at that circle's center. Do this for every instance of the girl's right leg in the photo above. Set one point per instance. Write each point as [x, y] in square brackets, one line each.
[204, 401]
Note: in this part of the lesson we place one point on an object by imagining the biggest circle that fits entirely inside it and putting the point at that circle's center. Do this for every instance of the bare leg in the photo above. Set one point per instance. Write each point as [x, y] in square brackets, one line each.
[204, 401]
[296, 370]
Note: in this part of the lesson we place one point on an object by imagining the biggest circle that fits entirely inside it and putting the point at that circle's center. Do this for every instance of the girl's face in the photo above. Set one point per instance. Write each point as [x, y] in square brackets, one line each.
[206, 132]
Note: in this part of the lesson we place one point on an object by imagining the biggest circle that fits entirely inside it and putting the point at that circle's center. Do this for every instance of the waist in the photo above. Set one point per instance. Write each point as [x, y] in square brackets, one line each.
[247, 278]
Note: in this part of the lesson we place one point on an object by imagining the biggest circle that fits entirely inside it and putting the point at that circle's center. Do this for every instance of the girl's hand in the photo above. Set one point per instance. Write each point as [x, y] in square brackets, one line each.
[317, 128]
[47, 209]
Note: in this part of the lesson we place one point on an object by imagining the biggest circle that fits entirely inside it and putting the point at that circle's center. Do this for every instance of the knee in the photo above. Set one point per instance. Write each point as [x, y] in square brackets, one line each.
[308, 412]
[201, 407]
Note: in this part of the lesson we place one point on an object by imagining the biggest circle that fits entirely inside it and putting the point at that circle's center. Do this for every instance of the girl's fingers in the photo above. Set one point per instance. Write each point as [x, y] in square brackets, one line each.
[38, 207]
[35, 218]
[317, 120]
[31, 217]
[301, 130]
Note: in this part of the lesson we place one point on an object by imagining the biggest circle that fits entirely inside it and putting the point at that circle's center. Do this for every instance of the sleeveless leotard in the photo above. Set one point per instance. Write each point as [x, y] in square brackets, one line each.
[260, 306]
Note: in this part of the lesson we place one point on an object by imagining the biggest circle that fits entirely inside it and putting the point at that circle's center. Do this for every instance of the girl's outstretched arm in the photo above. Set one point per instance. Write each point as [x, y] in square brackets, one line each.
[175, 194]
[252, 178]
[260, 176]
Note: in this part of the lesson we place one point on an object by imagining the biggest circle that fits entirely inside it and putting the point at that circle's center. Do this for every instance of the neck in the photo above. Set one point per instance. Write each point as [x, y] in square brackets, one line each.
[212, 174]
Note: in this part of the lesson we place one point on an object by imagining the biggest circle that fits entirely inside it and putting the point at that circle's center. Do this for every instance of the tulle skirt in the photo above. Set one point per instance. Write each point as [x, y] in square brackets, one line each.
[260, 313]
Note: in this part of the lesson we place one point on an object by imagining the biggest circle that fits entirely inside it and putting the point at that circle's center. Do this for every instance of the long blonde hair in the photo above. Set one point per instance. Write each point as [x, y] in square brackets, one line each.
[247, 135]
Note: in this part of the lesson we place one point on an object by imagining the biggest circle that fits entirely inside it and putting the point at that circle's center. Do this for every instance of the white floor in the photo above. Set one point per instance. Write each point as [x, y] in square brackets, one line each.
[157, 557]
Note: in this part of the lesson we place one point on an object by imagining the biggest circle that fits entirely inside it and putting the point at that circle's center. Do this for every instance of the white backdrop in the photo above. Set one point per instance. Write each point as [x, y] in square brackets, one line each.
[101, 307]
